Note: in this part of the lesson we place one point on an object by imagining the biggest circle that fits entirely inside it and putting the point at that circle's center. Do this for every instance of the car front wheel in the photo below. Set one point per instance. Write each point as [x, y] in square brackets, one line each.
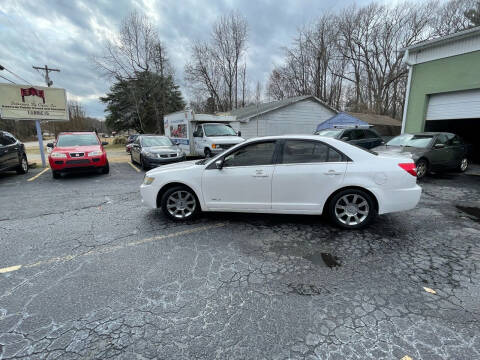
[23, 166]
[180, 203]
[352, 209]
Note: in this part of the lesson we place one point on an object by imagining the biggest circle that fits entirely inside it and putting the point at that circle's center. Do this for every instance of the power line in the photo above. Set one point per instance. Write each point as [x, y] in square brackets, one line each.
[7, 79]
[18, 76]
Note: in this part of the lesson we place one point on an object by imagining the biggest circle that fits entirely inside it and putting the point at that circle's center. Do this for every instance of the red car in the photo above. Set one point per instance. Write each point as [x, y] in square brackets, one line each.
[77, 151]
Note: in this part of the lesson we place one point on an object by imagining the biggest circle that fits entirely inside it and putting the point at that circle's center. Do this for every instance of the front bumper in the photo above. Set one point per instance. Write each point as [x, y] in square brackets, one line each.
[73, 164]
[149, 195]
[153, 162]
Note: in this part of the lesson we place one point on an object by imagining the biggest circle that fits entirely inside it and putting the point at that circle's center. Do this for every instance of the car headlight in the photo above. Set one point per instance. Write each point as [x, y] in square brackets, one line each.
[95, 153]
[58, 155]
[148, 154]
[147, 180]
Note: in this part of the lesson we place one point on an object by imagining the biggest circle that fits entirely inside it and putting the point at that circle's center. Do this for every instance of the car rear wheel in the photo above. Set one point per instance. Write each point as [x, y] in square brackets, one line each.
[463, 166]
[207, 152]
[23, 166]
[180, 203]
[422, 168]
[352, 209]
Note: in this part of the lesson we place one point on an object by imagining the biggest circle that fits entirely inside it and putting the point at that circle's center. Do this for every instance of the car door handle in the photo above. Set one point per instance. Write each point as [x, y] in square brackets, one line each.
[260, 174]
[333, 172]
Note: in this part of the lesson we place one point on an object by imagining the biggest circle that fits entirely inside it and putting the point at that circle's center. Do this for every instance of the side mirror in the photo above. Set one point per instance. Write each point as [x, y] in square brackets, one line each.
[239, 133]
[50, 145]
[219, 164]
[104, 143]
[439, 146]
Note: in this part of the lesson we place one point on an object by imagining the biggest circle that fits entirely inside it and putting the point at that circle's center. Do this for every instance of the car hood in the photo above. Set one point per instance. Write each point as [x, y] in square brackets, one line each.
[84, 148]
[226, 139]
[161, 149]
[400, 150]
[174, 167]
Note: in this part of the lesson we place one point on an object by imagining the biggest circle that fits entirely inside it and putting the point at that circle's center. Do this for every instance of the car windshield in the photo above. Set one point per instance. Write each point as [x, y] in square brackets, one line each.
[77, 140]
[218, 130]
[418, 141]
[329, 133]
[156, 141]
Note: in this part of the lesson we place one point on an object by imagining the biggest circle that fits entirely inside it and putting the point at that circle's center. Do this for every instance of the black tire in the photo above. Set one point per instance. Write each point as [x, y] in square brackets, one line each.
[207, 152]
[55, 174]
[23, 165]
[143, 165]
[422, 168]
[364, 213]
[463, 165]
[169, 195]
[106, 168]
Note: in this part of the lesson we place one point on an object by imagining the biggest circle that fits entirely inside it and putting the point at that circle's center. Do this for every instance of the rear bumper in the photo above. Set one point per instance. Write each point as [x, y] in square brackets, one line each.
[66, 165]
[399, 200]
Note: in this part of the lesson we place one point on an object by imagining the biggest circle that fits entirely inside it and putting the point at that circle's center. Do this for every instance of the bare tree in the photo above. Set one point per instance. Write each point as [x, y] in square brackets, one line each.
[218, 68]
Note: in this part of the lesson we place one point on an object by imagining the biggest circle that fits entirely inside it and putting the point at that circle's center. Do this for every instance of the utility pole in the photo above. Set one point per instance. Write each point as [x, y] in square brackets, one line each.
[37, 122]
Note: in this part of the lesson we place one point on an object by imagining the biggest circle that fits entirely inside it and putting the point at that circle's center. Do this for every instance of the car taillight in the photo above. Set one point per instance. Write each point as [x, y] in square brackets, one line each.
[411, 168]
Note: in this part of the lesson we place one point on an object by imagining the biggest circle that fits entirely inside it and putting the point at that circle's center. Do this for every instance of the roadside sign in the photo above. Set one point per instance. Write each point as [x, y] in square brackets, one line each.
[27, 102]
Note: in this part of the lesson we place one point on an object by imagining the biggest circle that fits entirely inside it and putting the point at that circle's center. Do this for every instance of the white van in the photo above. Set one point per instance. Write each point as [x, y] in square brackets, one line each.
[202, 134]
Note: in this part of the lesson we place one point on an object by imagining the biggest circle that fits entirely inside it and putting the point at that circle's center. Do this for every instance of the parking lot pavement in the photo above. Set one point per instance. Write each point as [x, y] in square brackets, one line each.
[87, 272]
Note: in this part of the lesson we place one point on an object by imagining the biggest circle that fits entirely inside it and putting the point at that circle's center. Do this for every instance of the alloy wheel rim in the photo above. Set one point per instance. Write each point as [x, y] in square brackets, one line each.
[421, 169]
[464, 164]
[351, 209]
[181, 204]
[24, 164]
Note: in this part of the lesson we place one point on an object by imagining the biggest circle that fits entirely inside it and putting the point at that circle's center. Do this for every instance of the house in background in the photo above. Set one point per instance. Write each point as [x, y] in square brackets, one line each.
[443, 88]
[296, 115]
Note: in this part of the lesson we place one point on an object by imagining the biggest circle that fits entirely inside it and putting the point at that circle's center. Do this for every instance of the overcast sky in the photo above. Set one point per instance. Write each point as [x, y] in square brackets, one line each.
[65, 34]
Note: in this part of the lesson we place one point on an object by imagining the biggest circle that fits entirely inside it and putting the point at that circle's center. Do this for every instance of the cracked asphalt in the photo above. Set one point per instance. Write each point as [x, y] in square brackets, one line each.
[87, 272]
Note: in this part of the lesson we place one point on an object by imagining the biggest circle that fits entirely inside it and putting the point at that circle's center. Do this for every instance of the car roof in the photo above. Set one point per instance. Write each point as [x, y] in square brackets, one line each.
[76, 132]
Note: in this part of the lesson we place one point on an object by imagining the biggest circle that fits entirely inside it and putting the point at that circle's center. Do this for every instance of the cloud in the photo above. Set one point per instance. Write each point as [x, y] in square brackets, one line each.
[67, 34]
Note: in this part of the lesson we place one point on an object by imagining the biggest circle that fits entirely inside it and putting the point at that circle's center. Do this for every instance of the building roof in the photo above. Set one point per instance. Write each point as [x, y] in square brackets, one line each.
[340, 120]
[375, 119]
[444, 39]
[246, 113]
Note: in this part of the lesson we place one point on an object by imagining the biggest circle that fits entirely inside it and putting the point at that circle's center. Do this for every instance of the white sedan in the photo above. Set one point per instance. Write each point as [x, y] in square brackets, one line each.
[287, 175]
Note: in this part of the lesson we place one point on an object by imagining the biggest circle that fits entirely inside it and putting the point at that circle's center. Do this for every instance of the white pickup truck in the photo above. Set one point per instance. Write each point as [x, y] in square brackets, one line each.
[201, 134]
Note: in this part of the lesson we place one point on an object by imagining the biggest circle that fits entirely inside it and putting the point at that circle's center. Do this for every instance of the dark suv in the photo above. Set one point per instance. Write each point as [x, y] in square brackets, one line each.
[12, 154]
[366, 138]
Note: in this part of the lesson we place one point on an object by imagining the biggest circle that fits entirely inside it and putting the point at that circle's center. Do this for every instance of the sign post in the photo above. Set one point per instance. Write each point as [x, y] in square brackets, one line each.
[24, 102]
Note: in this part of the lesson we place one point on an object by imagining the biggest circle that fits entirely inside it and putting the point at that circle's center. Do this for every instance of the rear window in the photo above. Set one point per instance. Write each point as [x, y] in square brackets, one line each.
[77, 140]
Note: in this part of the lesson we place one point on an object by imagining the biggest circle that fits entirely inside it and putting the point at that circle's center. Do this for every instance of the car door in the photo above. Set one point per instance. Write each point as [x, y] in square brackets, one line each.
[3, 152]
[10, 150]
[136, 149]
[457, 149]
[244, 182]
[440, 155]
[306, 174]
[198, 140]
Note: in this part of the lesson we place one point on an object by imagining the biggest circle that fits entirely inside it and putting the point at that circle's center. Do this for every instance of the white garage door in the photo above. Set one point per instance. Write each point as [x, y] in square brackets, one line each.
[454, 105]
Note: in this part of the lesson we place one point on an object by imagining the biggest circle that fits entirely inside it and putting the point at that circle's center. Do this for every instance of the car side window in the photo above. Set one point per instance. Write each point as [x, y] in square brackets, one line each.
[441, 139]
[369, 134]
[251, 155]
[301, 151]
[8, 139]
[456, 141]
[199, 131]
[3, 140]
[347, 134]
[357, 134]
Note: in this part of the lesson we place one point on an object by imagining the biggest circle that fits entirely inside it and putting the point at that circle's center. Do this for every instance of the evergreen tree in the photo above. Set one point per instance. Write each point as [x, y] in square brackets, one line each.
[141, 103]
